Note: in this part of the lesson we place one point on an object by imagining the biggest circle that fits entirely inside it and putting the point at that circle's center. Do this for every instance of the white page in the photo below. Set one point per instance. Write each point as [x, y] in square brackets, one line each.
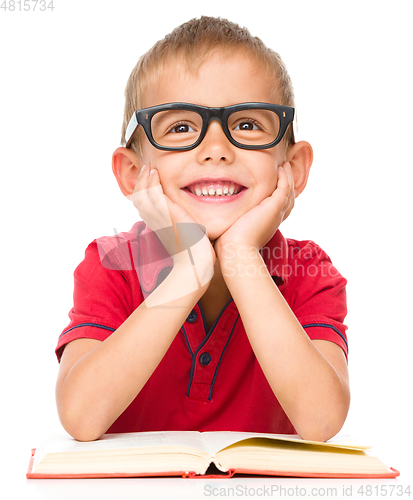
[61, 443]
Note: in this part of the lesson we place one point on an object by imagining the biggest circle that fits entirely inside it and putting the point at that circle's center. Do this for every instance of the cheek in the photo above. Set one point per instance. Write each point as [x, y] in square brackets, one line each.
[269, 180]
[168, 171]
[152, 157]
[274, 177]
[266, 169]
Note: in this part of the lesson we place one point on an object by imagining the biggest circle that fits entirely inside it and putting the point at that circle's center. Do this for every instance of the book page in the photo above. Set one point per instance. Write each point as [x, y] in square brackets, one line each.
[62, 443]
[217, 441]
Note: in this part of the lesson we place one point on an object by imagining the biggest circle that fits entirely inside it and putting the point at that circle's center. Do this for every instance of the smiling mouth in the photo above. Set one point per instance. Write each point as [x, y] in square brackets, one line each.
[214, 189]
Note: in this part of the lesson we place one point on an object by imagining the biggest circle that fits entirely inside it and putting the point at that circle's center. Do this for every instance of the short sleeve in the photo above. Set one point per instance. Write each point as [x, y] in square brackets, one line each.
[103, 299]
[318, 294]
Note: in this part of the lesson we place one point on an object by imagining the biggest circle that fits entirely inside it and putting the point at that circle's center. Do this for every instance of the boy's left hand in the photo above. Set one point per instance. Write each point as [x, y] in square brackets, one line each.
[255, 228]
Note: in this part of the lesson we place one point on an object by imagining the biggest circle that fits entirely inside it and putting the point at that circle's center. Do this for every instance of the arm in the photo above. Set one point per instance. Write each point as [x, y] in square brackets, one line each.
[309, 378]
[98, 380]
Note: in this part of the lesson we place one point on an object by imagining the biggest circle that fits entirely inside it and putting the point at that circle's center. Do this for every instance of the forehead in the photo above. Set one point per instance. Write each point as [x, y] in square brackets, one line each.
[221, 80]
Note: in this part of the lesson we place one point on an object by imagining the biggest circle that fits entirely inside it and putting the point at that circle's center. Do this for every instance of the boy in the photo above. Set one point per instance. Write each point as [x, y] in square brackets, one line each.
[205, 317]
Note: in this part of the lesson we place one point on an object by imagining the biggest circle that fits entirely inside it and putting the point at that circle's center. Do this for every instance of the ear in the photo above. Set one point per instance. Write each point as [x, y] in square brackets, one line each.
[126, 166]
[300, 157]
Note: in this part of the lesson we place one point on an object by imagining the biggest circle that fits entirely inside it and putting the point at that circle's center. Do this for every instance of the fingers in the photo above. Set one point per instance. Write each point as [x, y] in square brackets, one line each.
[138, 194]
[157, 198]
[285, 190]
[291, 195]
[149, 199]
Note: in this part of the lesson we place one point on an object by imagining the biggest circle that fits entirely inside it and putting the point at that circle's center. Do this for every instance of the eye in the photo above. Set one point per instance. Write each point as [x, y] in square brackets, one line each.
[181, 128]
[247, 125]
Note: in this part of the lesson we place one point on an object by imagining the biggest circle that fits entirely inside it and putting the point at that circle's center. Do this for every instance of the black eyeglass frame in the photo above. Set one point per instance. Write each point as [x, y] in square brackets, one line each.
[144, 116]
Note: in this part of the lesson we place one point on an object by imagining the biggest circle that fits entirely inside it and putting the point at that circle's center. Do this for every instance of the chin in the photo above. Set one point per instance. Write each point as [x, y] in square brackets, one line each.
[215, 227]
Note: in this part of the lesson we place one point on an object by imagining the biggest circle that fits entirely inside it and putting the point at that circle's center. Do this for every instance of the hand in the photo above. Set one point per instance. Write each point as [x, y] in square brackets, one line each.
[175, 228]
[255, 228]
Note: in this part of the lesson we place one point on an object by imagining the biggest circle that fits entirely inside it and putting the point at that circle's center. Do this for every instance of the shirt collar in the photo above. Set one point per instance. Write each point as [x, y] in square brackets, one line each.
[150, 258]
[136, 250]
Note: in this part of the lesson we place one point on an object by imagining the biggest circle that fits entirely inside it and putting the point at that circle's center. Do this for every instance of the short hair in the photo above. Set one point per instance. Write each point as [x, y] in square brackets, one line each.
[192, 43]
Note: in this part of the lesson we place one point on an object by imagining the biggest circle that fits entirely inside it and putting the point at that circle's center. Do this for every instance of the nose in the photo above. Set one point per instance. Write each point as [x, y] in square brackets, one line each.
[215, 146]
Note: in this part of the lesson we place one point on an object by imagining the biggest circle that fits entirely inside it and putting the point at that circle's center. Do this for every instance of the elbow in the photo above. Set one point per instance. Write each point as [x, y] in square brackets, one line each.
[318, 434]
[325, 427]
[79, 428]
[79, 422]
[320, 431]
[82, 434]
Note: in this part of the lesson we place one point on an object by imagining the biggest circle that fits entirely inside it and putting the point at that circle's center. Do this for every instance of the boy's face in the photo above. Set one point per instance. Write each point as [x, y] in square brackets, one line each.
[222, 81]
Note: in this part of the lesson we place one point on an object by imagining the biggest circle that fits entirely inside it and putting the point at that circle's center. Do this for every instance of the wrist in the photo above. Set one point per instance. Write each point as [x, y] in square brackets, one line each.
[242, 261]
[236, 252]
[180, 288]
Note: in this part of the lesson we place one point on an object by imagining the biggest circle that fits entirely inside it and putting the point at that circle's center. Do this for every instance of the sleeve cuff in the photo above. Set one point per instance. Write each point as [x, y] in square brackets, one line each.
[324, 329]
[84, 330]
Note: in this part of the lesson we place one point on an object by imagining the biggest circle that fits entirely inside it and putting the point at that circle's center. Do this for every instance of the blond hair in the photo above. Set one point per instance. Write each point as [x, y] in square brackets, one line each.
[192, 43]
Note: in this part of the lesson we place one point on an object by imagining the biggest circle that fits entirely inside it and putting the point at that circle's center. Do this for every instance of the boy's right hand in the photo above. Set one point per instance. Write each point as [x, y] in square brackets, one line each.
[176, 229]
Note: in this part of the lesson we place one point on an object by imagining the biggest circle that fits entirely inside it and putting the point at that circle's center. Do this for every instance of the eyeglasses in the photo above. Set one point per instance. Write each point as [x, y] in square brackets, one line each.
[182, 126]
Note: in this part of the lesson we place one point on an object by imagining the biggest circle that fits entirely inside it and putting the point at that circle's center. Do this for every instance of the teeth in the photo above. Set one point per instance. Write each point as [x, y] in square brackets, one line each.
[226, 191]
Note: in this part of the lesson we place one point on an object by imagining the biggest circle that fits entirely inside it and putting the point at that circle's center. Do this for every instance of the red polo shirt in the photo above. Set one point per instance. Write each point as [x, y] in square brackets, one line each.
[207, 380]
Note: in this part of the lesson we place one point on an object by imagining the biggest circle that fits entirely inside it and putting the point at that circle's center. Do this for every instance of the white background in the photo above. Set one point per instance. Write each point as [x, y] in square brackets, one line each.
[63, 75]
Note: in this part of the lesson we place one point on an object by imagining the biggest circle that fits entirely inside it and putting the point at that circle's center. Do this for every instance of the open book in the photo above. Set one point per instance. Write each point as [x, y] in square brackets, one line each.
[193, 454]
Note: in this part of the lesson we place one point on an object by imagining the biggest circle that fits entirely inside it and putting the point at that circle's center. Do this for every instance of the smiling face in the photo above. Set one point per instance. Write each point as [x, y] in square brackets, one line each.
[215, 163]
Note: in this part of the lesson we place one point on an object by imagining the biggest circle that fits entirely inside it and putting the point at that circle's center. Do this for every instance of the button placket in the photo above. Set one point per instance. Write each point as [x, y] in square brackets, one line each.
[193, 331]
[207, 357]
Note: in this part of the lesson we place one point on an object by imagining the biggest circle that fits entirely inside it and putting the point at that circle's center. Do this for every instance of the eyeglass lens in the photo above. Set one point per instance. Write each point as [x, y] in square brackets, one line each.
[179, 128]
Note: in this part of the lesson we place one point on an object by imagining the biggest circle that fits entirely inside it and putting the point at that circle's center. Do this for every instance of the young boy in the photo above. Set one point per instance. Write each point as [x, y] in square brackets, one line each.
[204, 317]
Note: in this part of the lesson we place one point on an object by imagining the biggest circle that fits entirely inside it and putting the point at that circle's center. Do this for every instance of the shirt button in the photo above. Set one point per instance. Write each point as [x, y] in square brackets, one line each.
[205, 358]
[192, 317]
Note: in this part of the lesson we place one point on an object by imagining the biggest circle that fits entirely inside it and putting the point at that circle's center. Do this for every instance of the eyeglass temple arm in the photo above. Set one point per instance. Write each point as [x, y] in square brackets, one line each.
[131, 129]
